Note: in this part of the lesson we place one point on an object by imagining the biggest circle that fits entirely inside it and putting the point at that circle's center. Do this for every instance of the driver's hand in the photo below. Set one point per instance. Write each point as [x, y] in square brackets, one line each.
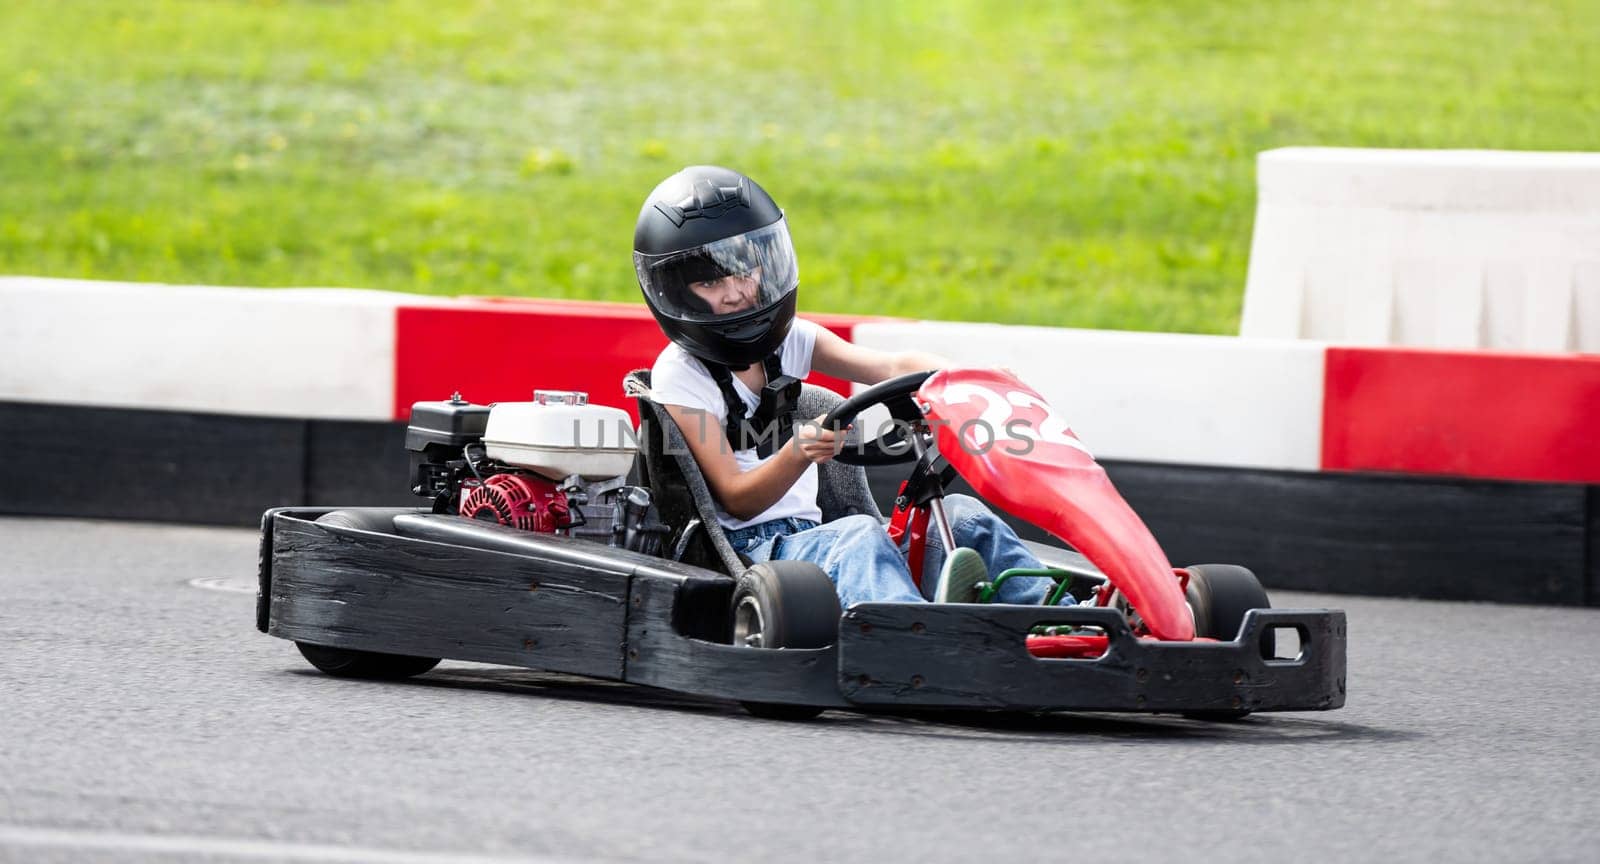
[816, 443]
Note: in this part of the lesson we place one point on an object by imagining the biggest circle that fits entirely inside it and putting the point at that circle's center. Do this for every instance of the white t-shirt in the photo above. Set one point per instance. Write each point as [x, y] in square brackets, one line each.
[679, 378]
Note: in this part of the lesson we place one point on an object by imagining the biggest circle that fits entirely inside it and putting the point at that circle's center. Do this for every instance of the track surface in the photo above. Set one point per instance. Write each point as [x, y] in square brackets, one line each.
[145, 719]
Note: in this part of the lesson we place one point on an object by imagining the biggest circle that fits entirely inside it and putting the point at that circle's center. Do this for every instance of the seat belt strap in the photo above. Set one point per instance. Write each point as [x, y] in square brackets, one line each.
[772, 424]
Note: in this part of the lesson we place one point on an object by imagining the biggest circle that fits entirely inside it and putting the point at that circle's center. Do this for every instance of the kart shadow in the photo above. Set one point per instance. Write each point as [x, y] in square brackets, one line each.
[1054, 729]
[512, 681]
[1062, 728]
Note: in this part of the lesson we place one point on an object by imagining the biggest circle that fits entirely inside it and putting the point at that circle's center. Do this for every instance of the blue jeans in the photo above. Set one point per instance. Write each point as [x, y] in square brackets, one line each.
[865, 564]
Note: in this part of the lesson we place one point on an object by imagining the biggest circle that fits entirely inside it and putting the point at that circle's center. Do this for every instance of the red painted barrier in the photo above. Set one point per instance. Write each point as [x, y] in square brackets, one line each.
[1475, 414]
[500, 350]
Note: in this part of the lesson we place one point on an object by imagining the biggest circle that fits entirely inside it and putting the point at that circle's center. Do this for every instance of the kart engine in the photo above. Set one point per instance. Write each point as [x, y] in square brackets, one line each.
[532, 466]
[518, 500]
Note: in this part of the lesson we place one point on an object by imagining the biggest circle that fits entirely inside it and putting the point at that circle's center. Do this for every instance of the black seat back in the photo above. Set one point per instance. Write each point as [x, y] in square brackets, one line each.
[685, 501]
[679, 489]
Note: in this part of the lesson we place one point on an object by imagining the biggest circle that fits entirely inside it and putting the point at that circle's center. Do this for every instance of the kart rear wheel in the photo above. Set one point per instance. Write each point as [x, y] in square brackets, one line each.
[784, 604]
[1220, 594]
[349, 663]
[379, 519]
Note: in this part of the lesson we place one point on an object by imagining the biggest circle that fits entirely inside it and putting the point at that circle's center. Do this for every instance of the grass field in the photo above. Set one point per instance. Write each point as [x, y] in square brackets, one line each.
[1075, 163]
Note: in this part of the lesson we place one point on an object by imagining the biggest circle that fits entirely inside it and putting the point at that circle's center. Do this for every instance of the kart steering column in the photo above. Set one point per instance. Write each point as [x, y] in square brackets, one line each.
[913, 503]
[935, 503]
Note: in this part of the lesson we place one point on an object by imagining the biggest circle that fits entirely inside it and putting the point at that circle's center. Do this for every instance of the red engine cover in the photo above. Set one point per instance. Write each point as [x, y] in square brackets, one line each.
[529, 503]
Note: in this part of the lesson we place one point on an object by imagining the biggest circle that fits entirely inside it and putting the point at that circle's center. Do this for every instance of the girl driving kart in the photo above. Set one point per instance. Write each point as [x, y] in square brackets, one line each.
[715, 263]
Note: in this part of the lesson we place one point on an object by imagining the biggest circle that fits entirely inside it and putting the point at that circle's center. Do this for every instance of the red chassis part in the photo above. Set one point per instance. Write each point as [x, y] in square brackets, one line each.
[1077, 646]
[1085, 646]
[914, 519]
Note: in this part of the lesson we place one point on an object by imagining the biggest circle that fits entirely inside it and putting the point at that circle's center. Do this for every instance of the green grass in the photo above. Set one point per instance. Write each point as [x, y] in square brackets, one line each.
[1075, 163]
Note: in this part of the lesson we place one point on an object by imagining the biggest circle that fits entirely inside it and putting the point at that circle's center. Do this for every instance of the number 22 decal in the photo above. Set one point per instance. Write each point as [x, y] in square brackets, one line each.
[998, 413]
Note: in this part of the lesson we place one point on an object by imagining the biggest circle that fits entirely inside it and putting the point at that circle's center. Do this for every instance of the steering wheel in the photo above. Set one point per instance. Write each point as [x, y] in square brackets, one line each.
[894, 446]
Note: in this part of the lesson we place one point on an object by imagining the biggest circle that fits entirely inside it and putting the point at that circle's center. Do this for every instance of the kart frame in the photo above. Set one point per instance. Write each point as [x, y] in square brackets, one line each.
[442, 586]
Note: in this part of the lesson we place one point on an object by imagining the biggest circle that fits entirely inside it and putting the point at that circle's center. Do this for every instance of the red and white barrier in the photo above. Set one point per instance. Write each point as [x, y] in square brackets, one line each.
[1297, 405]
[1198, 400]
[311, 352]
[1159, 397]
[500, 350]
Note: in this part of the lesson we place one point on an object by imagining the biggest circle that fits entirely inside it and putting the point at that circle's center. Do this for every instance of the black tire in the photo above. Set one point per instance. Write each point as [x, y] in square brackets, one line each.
[1224, 593]
[784, 604]
[1220, 594]
[349, 663]
[379, 519]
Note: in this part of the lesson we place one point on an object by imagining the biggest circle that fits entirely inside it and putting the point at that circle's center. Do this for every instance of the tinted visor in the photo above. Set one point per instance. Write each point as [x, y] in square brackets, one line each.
[729, 277]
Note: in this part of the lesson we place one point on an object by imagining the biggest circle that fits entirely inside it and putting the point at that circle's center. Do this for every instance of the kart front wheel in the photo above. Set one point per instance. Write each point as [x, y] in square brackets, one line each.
[784, 604]
[349, 663]
[1220, 594]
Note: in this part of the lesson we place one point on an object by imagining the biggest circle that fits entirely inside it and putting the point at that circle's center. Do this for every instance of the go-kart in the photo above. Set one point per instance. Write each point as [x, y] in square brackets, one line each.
[631, 578]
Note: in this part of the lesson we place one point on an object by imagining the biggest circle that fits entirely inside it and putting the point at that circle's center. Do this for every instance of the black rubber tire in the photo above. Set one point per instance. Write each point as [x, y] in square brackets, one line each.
[797, 607]
[1220, 594]
[379, 519]
[1226, 592]
[349, 663]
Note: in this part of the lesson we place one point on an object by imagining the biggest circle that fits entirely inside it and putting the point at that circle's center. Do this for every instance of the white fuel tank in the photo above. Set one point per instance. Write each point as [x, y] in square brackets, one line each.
[559, 434]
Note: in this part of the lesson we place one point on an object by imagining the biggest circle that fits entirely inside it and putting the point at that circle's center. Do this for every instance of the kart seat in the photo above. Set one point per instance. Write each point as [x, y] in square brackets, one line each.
[685, 502]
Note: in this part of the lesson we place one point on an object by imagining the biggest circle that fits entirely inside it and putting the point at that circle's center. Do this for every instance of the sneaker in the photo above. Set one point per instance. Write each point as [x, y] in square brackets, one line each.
[959, 577]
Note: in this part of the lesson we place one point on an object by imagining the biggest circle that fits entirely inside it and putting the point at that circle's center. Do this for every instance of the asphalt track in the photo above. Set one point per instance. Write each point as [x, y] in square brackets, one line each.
[144, 719]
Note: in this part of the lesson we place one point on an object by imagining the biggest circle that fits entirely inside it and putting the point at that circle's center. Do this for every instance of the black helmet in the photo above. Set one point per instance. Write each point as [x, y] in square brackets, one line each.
[716, 266]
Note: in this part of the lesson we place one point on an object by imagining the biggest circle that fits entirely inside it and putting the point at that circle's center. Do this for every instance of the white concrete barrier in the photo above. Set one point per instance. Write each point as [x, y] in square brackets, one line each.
[1449, 249]
[1159, 397]
[314, 353]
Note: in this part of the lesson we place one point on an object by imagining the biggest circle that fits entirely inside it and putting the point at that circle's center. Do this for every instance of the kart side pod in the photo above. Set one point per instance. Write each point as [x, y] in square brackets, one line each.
[423, 585]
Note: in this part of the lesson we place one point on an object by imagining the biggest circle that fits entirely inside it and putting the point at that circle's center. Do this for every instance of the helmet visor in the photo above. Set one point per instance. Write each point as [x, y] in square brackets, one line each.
[722, 279]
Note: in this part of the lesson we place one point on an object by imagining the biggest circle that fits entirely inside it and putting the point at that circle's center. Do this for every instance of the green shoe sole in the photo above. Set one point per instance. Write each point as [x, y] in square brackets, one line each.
[959, 577]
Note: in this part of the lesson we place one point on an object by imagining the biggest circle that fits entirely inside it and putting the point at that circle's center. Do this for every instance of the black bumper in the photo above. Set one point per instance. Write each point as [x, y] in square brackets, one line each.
[973, 656]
